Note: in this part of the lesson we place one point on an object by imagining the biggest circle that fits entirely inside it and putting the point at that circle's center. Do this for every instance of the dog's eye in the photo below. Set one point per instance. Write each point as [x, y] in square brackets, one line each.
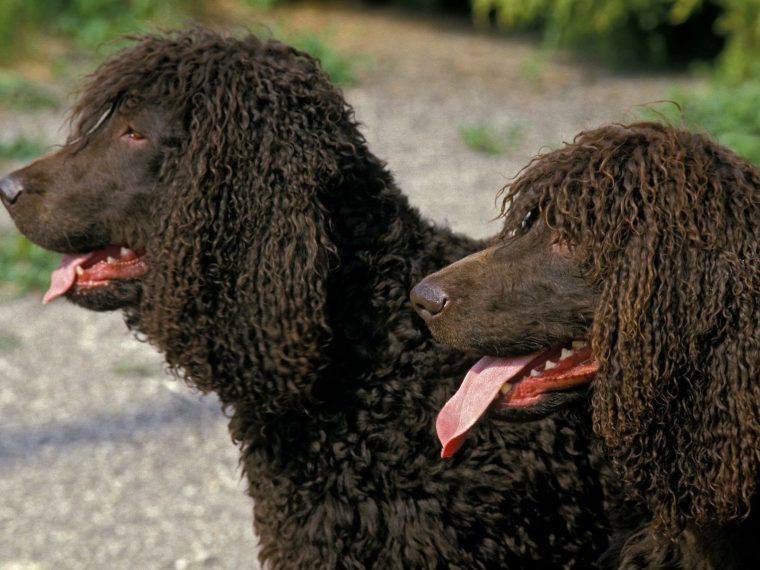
[133, 135]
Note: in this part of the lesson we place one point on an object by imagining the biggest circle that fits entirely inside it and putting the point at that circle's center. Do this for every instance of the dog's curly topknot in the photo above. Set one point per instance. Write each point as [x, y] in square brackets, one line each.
[666, 223]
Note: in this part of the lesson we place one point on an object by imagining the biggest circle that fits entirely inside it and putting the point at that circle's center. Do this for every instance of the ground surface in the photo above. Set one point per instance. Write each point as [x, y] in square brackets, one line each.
[108, 463]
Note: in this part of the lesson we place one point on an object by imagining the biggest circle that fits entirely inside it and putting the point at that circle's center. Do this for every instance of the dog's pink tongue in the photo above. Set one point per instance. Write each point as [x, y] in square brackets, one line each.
[477, 392]
[64, 277]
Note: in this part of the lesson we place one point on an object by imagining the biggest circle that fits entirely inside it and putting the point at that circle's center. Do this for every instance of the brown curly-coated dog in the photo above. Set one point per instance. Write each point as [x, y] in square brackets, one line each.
[219, 191]
[628, 260]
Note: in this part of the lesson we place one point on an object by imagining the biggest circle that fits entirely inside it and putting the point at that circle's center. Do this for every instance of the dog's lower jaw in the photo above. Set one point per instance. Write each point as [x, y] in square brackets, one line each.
[114, 296]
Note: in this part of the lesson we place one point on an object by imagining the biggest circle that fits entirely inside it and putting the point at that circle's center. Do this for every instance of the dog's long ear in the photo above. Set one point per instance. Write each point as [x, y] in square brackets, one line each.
[236, 296]
[671, 230]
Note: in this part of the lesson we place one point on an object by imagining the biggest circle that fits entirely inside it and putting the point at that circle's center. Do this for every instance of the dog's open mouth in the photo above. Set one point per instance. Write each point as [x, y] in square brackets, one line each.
[95, 269]
[512, 382]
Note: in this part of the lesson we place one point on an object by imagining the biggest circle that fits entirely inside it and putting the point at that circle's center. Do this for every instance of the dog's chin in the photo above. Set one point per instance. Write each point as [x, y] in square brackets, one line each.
[113, 296]
[547, 405]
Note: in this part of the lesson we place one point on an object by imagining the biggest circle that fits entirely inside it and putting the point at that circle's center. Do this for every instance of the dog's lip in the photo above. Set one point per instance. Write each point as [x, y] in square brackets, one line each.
[512, 382]
[95, 269]
[102, 268]
[556, 369]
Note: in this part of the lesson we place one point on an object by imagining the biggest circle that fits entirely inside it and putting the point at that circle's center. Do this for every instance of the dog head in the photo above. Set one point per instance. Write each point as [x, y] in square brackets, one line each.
[641, 240]
[191, 193]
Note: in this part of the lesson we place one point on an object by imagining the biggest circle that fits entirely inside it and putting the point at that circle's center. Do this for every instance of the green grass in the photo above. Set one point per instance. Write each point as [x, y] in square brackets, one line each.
[731, 114]
[341, 69]
[24, 267]
[20, 93]
[533, 68]
[22, 148]
[487, 140]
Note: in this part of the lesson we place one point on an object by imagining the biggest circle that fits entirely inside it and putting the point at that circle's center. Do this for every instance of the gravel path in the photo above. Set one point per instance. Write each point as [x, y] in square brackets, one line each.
[108, 463]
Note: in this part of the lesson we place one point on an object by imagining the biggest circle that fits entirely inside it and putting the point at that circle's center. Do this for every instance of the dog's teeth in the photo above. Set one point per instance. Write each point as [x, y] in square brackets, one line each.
[125, 251]
[535, 373]
[550, 365]
[80, 271]
[579, 344]
[110, 259]
[506, 388]
[565, 354]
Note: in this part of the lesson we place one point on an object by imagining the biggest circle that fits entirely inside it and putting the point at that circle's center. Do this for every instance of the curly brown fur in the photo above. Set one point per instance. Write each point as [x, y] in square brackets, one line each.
[662, 224]
[280, 255]
[666, 224]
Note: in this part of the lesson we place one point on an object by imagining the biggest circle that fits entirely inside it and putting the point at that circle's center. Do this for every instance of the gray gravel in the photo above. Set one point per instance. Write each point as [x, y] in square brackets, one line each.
[107, 462]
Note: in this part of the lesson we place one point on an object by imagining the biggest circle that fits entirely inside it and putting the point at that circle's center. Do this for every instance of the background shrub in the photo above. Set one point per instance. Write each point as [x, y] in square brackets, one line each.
[88, 22]
[730, 113]
[725, 34]
[650, 32]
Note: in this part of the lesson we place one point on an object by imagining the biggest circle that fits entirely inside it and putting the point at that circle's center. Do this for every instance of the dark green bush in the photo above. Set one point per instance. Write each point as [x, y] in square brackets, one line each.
[659, 32]
[663, 32]
[741, 24]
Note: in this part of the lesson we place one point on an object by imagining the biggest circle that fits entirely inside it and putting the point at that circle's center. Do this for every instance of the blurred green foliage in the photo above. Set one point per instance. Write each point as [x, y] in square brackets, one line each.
[99, 25]
[741, 24]
[22, 148]
[649, 32]
[725, 33]
[24, 266]
[341, 69]
[88, 22]
[659, 32]
[17, 92]
[730, 113]
[259, 3]
[488, 140]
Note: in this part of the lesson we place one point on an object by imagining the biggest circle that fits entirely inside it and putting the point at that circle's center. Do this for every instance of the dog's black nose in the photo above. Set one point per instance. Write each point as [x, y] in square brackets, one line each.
[10, 188]
[428, 300]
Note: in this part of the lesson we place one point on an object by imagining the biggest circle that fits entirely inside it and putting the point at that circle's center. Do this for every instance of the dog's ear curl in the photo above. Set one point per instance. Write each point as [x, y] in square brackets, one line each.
[673, 236]
[243, 251]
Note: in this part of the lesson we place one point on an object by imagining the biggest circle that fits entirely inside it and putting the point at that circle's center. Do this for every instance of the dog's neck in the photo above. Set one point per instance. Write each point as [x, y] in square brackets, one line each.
[383, 247]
